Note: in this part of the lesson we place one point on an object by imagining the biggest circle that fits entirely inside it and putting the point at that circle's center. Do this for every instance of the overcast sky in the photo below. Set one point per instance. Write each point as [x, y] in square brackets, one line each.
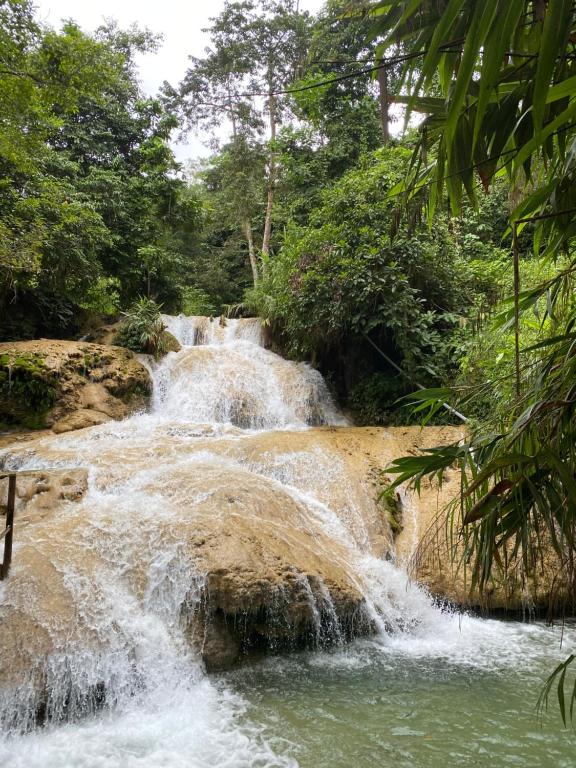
[180, 23]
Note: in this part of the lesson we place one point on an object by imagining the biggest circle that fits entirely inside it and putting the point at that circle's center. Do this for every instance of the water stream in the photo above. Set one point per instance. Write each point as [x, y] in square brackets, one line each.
[93, 618]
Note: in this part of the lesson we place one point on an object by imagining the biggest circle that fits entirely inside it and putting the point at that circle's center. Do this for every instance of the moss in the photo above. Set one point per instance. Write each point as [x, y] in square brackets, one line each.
[140, 390]
[393, 509]
[389, 502]
[28, 389]
[35, 421]
[92, 361]
[170, 343]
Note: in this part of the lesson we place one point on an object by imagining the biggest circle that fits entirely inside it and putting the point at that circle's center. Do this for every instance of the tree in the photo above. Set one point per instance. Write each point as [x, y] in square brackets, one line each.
[88, 183]
[234, 178]
[349, 277]
[257, 49]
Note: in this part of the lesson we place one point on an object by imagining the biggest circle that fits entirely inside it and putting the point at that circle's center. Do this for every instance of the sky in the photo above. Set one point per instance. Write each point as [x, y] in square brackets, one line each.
[179, 21]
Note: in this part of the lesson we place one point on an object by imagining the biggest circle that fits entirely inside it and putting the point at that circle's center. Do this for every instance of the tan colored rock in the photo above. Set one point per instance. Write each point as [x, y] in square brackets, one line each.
[171, 343]
[39, 492]
[84, 384]
[265, 567]
[436, 558]
[274, 571]
[106, 334]
[80, 419]
[96, 397]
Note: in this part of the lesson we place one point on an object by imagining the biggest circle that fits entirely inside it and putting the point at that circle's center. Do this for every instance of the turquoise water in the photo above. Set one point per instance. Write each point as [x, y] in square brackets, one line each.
[386, 706]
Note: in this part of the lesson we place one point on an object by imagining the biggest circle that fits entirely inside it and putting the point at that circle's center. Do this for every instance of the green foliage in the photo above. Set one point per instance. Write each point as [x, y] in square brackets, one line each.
[349, 274]
[143, 329]
[257, 47]
[27, 387]
[103, 297]
[506, 72]
[374, 399]
[558, 678]
[88, 191]
[195, 301]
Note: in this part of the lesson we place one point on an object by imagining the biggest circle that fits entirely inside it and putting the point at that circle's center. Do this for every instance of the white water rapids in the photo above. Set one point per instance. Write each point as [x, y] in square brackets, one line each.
[99, 607]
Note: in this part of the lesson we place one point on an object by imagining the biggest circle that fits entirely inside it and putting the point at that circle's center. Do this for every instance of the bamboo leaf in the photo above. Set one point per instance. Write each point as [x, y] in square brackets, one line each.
[500, 36]
[556, 24]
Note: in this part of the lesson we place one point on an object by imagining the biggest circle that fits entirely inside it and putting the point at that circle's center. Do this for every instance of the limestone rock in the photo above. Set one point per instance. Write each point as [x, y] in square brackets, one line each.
[39, 492]
[106, 334]
[436, 561]
[67, 385]
[171, 343]
[80, 419]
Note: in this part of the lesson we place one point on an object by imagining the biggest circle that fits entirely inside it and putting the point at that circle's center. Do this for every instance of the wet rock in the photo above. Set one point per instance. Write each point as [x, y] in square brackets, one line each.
[80, 419]
[435, 558]
[216, 641]
[67, 385]
[170, 343]
[107, 335]
[39, 492]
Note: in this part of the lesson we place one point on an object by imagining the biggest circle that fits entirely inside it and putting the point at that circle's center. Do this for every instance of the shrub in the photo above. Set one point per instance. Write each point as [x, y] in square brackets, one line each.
[143, 329]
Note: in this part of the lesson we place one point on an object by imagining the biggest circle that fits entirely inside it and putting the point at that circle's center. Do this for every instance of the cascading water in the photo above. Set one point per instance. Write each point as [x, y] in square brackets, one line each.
[225, 376]
[97, 612]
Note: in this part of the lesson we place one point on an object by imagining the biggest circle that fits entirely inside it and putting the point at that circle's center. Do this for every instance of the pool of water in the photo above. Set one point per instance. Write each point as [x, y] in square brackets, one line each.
[464, 695]
[377, 705]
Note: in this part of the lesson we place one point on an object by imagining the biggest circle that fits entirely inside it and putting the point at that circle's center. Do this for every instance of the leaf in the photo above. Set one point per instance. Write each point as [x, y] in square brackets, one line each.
[554, 35]
[561, 90]
[492, 56]
[481, 22]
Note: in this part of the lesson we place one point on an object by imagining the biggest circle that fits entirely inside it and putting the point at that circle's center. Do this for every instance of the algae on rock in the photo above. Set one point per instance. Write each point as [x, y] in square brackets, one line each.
[67, 385]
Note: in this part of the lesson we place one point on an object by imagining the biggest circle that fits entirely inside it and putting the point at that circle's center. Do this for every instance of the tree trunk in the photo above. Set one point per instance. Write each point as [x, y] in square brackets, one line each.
[232, 113]
[251, 252]
[384, 103]
[271, 178]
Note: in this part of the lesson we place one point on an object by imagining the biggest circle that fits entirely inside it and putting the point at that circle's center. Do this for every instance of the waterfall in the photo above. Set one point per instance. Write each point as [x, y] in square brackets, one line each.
[225, 376]
[102, 616]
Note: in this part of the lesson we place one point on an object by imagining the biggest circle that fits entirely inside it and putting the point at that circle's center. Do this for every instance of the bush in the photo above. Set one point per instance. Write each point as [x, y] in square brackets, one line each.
[196, 301]
[375, 398]
[143, 329]
[351, 272]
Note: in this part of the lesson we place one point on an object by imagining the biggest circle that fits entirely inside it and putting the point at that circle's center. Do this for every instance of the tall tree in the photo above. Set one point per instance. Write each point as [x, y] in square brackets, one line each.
[88, 184]
[257, 49]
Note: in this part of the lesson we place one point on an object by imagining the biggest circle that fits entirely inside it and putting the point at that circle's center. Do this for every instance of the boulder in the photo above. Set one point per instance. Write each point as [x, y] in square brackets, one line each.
[40, 491]
[170, 342]
[249, 542]
[435, 557]
[68, 385]
[80, 419]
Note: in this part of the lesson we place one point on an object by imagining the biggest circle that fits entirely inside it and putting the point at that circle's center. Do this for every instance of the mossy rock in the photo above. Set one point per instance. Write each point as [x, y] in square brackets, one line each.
[389, 502]
[170, 343]
[44, 382]
[28, 388]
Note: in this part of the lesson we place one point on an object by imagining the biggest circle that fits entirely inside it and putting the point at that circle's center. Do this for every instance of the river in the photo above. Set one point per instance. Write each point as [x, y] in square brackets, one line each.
[100, 607]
